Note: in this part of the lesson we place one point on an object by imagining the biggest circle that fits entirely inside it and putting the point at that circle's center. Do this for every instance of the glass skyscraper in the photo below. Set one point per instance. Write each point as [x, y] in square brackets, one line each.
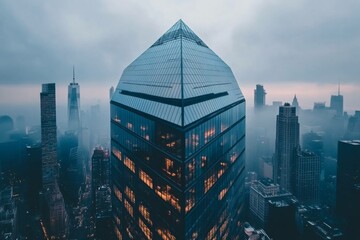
[177, 143]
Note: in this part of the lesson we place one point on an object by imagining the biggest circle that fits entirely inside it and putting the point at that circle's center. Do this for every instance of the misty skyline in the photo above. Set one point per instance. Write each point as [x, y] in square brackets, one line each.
[301, 47]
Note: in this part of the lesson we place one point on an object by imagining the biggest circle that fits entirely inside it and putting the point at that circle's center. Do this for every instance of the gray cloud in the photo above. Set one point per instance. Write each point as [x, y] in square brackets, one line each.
[263, 41]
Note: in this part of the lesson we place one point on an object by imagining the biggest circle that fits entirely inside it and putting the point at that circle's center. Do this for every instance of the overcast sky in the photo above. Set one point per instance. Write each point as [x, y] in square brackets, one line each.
[278, 43]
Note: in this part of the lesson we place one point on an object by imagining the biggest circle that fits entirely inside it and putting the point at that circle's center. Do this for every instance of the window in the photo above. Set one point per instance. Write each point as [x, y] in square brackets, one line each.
[118, 234]
[130, 164]
[171, 169]
[129, 126]
[209, 182]
[222, 193]
[209, 133]
[190, 200]
[222, 169]
[145, 229]
[211, 233]
[129, 208]
[165, 234]
[146, 178]
[145, 213]
[190, 170]
[117, 193]
[117, 153]
[130, 194]
[165, 193]
[203, 161]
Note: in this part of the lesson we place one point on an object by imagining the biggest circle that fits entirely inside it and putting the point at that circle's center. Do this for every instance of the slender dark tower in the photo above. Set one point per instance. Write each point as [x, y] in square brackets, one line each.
[286, 145]
[178, 142]
[259, 97]
[55, 219]
[337, 103]
[74, 105]
[48, 136]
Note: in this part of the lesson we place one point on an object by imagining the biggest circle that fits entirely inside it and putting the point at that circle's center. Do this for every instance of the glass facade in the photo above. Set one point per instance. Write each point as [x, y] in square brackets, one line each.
[169, 173]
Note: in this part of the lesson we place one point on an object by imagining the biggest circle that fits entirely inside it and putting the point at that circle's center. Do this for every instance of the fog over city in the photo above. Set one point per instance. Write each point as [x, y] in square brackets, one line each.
[78, 161]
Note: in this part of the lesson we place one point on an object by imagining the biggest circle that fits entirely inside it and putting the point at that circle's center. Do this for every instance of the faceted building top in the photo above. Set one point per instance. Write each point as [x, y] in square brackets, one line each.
[178, 79]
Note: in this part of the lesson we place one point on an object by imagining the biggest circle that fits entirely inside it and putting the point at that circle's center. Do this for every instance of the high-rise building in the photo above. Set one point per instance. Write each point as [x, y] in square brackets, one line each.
[111, 92]
[286, 145]
[348, 186]
[48, 136]
[259, 97]
[178, 142]
[74, 105]
[55, 207]
[307, 177]
[337, 103]
[261, 193]
[295, 102]
[100, 168]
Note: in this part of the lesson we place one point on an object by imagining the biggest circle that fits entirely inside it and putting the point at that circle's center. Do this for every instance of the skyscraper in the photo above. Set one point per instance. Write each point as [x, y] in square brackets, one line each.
[56, 218]
[286, 144]
[295, 102]
[259, 97]
[48, 136]
[337, 103]
[178, 142]
[348, 186]
[74, 105]
[307, 177]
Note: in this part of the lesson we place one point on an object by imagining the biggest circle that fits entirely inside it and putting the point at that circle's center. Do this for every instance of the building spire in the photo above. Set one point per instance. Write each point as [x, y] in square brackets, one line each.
[73, 74]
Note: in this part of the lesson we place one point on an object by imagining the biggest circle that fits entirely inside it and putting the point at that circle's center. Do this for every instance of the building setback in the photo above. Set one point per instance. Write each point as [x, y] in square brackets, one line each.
[177, 143]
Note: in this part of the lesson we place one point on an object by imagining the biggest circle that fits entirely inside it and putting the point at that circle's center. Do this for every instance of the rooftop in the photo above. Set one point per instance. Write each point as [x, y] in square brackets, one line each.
[178, 79]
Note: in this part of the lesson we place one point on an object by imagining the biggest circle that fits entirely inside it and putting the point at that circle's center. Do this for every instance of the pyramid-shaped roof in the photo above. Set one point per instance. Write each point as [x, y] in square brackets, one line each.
[178, 79]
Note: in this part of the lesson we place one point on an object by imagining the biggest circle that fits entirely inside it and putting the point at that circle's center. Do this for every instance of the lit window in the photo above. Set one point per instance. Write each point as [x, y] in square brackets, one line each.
[117, 193]
[117, 153]
[129, 126]
[209, 182]
[130, 164]
[203, 161]
[129, 208]
[147, 137]
[130, 194]
[190, 200]
[145, 229]
[146, 178]
[145, 213]
[164, 193]
[233, 156]
[117, 119]
[190, 170]
[222, 169]
[118, 234]
[211, 233]
[170, 169]
[195, 140]
[117, 220]
[165, 234]
[222, 193]
[143, 128]
[223, 226]
[209, 133]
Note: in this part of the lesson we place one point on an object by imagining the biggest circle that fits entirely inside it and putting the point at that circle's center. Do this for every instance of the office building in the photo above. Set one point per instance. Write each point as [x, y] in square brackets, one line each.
[295, 103]
[74, 105]
[286, 145]
[337, 103]
[348, 186]
[259, 97]
[307, 177]
[177, 142]
[261, 192]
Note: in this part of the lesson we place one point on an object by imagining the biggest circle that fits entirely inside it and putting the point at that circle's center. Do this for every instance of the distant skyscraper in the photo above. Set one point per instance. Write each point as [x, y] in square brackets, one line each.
[55, 213]
[74, 105]
[307, 177]
[259, 97]
[295, 102]
[48, 136]
[337, 103]
[111, 92]
[348, 186]
[286, 144]
[100, 168]
[178, 142]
